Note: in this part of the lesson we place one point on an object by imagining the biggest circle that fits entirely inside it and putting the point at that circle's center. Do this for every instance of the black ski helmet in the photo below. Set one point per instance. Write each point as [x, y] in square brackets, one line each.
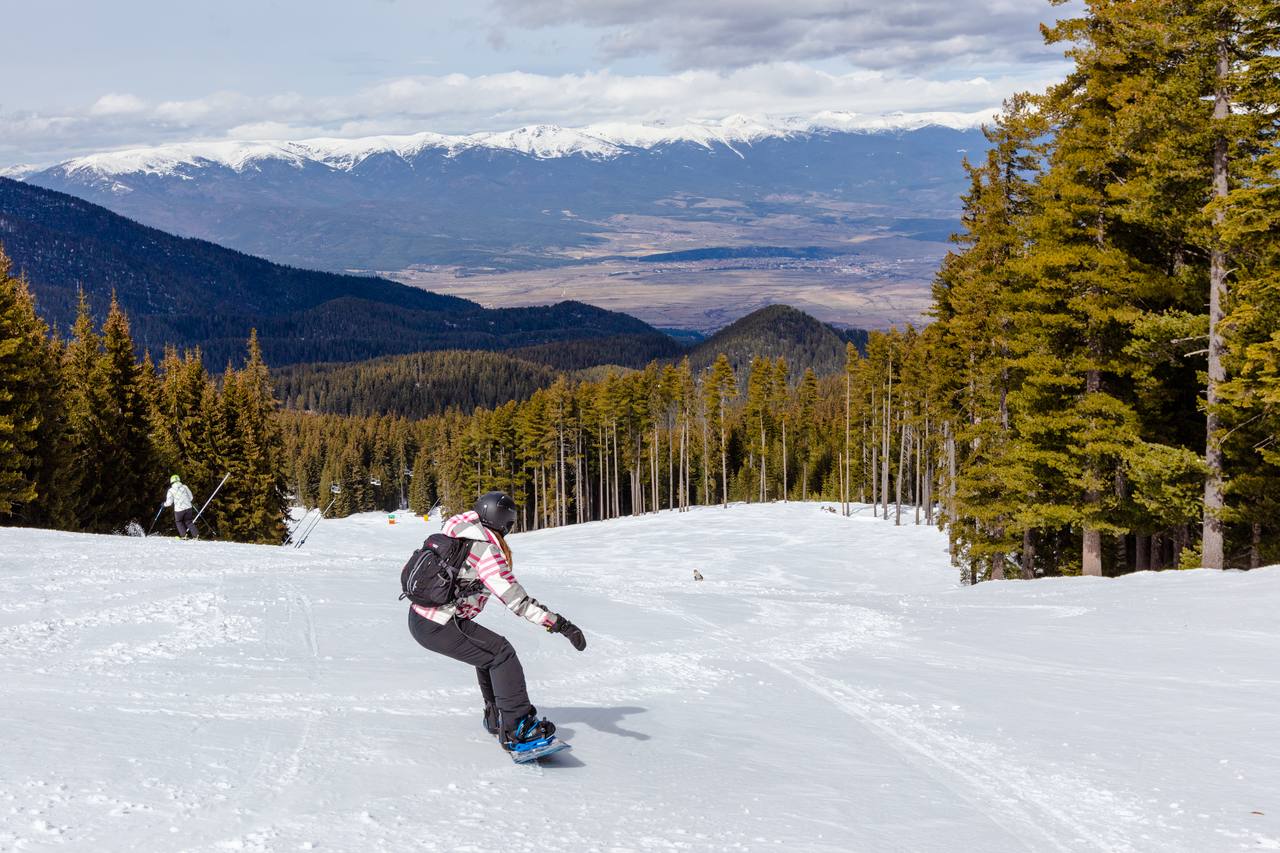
[497, 511]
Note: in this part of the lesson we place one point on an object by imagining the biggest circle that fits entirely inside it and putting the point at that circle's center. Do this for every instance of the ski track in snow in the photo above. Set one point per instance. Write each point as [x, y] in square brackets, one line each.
[828, 687]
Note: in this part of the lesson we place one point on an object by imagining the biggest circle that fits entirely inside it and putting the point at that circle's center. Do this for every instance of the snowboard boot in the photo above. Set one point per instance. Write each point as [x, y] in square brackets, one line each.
[527, 730]
[491, 720]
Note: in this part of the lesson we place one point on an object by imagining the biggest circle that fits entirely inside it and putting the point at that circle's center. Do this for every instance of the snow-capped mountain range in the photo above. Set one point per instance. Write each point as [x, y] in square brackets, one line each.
[598, 141]
[545, 196]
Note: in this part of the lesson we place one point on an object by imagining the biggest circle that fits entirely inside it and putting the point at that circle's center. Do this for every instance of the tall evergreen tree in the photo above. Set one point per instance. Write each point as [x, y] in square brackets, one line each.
[24, 394]
[721, 387]
[128, 488]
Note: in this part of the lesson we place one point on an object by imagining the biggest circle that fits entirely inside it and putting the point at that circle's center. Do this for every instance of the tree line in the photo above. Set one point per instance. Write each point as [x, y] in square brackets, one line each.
[1098, 392]
[89, 434]
[1107, 329]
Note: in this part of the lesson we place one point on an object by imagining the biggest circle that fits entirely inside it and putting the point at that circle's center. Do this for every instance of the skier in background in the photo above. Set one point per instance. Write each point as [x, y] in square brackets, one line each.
[179, 497]
[450, 631]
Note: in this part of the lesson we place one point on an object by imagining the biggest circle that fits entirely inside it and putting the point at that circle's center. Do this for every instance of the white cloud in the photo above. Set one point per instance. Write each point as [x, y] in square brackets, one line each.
[906, 35]
[458, 103]
[113, 104]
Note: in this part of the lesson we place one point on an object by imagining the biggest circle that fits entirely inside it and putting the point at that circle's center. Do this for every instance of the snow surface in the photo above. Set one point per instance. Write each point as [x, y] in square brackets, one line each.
[598, 141]
[828, 687]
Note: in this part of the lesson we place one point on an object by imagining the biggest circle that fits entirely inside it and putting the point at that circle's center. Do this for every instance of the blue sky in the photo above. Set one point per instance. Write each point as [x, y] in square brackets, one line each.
[78, 77]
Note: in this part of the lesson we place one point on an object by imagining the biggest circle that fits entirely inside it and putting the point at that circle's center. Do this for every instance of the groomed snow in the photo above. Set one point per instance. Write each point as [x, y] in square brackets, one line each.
[598, 141]
[828, 687]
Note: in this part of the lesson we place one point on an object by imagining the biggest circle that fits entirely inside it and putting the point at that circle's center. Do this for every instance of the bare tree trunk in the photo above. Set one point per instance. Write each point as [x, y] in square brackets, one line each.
[784, 459]
[862, 475]
[918, 490]
[1028, 554]
[902, 466]
[844, 459]
[617, 484]
[1255, 546]
[840, 469]
[1091, 553]
[601, 511]
[1142, 552]
[641, 493]
[997, 567]
[1215, 480]
[951, 487]
[928, 490]
[562, 487]
[885, 445]
[537, 500]
[724, 462]
[706, 460]
[653, 468]
[671, 466]
[684, 482]
[764, 488]
[875, 456]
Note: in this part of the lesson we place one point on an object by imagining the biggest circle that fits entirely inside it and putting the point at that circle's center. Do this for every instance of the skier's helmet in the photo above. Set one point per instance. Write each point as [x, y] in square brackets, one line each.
[497, 511]
[175, 479]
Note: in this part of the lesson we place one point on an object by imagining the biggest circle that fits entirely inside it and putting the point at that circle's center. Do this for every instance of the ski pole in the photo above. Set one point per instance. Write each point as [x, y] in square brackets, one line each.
[225, 477]
[154, 520]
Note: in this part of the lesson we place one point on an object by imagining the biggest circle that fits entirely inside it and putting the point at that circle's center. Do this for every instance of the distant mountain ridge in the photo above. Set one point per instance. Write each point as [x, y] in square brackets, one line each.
[540, 196]
[191, 292]
[544, 141]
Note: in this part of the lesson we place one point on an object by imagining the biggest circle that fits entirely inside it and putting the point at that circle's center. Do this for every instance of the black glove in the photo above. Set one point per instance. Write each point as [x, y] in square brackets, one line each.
[571, 631]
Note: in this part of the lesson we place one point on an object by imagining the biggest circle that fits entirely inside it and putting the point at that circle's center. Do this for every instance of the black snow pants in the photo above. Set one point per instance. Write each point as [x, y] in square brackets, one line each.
[185, 520]
[497, 668]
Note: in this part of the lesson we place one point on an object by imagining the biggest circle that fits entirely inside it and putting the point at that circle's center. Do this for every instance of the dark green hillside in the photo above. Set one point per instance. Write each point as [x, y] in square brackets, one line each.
[635, 350]
[427, 383]
[778, 330]
[412, 386]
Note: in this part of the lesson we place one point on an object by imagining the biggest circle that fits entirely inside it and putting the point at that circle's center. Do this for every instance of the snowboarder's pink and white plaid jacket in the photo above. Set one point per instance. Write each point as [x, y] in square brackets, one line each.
[489, 565]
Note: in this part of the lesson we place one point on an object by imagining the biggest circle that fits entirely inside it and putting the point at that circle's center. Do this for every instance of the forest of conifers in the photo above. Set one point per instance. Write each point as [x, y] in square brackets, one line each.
[1098, 390]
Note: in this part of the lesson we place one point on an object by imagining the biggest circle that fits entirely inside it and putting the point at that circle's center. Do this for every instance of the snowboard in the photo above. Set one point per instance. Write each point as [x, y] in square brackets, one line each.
[538, 749]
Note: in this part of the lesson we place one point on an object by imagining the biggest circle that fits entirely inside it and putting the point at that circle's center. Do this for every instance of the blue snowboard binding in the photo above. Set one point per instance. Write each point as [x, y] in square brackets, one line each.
[531, 738]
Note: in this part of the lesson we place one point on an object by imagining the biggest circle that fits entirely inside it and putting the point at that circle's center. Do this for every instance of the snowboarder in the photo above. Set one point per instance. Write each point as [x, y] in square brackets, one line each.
[450, 631]
[179, 497]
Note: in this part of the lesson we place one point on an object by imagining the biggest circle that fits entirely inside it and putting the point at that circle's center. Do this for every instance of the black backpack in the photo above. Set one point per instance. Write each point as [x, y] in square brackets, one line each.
[430, 578]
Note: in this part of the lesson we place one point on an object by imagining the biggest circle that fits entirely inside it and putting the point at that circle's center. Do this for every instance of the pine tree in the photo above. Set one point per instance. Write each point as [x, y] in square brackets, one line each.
[129, 487]
[257, 486]
[720, 388]
[24, 392]
[806, 417]
[420, 491]
[82, 370]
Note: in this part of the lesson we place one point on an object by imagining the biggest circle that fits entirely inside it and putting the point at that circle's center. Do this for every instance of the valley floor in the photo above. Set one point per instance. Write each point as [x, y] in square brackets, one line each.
[829, 687]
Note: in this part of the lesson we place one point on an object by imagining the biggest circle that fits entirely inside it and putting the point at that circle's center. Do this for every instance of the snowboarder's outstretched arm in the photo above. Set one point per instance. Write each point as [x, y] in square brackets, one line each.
[495, 573]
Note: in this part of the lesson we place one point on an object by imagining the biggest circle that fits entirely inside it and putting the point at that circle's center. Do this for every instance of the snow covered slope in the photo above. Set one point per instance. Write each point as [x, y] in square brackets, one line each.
[828, 687]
